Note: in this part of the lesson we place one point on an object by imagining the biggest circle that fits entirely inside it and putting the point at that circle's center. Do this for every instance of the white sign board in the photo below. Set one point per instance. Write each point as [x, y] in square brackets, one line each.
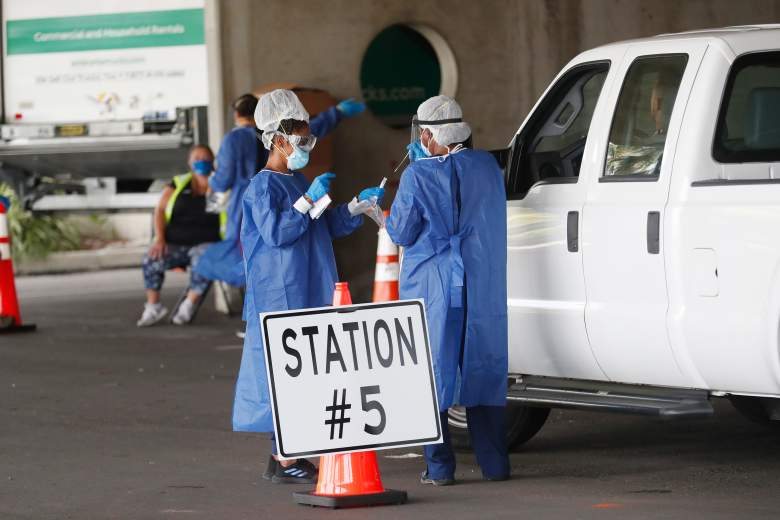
[351, 378]
[84, 60]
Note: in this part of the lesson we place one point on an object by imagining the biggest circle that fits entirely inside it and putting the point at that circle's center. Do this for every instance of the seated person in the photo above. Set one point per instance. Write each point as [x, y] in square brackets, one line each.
[183, 230]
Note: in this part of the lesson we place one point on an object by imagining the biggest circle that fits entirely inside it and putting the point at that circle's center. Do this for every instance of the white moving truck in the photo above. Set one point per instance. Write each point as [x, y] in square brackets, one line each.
[113, 90]
[644, 232]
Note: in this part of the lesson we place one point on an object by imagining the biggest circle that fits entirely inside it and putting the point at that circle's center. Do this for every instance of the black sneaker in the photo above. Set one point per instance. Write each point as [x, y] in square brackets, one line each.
[270, 468]
[302, 472]
[425, 479]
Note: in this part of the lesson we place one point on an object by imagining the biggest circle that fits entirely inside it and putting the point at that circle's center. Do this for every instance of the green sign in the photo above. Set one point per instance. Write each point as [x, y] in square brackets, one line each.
[105, 31]
[400, 70]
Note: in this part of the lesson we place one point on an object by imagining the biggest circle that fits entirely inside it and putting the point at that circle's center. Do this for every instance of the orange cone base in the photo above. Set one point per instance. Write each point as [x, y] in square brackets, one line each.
[350, 480]
[388, 497]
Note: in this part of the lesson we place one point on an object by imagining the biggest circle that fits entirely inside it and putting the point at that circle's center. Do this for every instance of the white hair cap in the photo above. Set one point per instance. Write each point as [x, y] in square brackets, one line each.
[440, 108]
[273, 108]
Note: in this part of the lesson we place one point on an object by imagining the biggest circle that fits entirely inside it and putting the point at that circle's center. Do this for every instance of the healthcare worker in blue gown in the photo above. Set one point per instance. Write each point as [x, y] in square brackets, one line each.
[450, 215]
[288, 255]
[240, 156]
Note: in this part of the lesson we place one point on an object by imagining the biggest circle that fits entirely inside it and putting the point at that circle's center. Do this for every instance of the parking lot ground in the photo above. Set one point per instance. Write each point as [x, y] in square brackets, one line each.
[102, 420]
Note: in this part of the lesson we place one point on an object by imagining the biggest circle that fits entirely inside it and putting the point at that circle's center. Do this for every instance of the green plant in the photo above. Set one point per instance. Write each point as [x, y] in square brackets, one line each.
[35, 236]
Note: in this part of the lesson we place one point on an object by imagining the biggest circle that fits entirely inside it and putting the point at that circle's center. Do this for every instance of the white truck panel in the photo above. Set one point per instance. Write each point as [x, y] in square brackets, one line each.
[627, 293]
[731, 338]
[545, 279]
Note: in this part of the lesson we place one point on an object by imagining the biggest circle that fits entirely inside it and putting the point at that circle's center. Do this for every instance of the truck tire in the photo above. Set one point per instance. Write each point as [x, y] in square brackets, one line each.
[522, 423]
[757, 409]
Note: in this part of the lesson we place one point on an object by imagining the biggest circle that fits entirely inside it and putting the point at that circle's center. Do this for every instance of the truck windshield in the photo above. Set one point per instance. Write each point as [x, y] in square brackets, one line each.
[749, 120]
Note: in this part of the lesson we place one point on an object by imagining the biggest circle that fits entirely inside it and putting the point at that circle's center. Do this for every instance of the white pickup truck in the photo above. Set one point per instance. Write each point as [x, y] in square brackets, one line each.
[644, 232]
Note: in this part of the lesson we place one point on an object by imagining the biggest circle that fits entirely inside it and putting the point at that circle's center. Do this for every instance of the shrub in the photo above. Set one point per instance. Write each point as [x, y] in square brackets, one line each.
[35, 236]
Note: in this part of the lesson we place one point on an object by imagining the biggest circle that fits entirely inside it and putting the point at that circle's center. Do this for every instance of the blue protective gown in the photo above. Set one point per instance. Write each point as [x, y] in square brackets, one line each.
[455, 259]
[290, 265]
[237, 162]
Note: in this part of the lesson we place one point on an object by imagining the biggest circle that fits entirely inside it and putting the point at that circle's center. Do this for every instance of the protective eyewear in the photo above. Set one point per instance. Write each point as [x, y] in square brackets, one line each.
[304, 142]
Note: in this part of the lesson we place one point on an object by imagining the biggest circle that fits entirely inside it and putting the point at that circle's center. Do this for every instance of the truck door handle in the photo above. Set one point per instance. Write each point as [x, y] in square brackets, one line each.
[654, 232]
[573, 231]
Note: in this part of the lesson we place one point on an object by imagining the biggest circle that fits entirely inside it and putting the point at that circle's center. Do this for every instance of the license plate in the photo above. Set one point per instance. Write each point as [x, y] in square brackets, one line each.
[77, 130]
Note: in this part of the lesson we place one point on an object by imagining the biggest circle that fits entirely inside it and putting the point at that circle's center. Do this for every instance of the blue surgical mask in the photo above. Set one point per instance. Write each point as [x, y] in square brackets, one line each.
[298, 159]
[203, 167]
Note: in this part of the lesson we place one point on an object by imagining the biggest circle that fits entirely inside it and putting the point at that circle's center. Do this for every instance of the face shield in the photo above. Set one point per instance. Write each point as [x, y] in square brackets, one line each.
[416, 130]
[418, 126]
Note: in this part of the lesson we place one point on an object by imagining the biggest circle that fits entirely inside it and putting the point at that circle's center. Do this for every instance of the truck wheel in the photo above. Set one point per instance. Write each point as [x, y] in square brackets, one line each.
[522, 423]
[757, 409]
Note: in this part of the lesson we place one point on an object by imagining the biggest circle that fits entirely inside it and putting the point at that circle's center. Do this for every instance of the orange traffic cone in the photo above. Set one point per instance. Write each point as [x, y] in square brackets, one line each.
[350, 480]
[387, 268]
[341, 295]
[10, 317]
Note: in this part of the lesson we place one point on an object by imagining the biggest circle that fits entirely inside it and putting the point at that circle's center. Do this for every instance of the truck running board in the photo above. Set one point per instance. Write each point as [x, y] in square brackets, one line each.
[609, 397]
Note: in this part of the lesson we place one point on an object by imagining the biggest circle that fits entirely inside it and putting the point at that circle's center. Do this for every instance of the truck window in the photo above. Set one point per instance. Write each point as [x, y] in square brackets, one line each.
[550, 146]
[638, 132]
[749, 119]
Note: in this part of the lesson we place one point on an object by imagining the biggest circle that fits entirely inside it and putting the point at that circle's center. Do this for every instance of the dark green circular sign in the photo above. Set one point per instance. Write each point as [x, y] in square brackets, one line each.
[400, 70]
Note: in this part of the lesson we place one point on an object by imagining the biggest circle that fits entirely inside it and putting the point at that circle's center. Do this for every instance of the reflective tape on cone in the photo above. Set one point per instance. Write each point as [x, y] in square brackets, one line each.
[387, 272]
[388, 269]
[5, 241]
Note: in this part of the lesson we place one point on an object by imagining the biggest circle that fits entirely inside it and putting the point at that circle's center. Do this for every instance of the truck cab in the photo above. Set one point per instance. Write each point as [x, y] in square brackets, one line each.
[643, 197]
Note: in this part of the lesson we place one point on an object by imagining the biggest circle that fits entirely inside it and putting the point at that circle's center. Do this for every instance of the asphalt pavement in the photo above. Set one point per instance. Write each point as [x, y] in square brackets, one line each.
[102, 420]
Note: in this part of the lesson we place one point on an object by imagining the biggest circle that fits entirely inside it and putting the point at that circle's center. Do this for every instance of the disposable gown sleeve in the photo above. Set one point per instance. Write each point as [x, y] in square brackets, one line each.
[341, 222]
[225, 175]
[325, 122]
[279, 224]
[405, 222]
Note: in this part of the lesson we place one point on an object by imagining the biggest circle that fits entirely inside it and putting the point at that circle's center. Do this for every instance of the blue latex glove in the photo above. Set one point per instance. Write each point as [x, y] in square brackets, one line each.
[367, 193]
[320, 186]
[415, 150]
[350, 107]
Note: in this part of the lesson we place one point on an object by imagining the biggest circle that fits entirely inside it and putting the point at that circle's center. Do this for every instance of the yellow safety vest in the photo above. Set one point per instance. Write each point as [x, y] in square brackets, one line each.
[179, 183]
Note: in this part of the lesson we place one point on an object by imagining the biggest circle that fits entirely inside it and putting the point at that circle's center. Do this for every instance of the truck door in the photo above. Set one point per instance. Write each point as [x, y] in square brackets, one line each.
[623, 250]
[546, 192]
